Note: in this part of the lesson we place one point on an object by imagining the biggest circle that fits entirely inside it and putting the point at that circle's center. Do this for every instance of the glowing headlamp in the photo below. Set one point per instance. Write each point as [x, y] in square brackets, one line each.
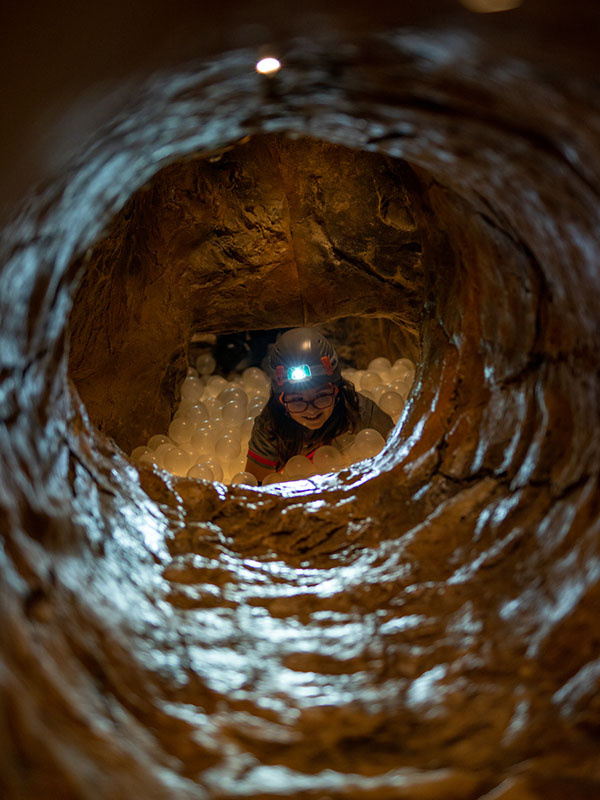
[298, 373]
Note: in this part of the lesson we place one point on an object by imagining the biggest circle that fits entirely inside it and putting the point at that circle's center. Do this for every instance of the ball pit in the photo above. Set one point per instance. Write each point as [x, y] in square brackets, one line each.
[209, 433]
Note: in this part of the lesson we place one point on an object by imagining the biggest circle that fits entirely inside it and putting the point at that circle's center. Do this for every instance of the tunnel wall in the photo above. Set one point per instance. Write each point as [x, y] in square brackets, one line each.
[421, 625]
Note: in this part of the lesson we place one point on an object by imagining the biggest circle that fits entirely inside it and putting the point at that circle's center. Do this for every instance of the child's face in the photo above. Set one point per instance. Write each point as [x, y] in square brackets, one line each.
[311, 417]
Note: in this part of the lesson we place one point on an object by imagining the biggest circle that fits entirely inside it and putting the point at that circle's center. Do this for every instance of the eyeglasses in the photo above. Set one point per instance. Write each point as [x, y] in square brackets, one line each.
[321, 401]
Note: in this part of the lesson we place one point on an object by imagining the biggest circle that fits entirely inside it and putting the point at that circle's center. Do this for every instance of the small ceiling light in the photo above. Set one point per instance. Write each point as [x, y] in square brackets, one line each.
[267, 66]
[490, 6]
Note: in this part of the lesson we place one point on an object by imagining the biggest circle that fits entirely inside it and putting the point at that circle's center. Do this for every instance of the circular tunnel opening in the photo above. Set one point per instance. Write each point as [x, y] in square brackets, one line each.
[270, 233]
[422, 627]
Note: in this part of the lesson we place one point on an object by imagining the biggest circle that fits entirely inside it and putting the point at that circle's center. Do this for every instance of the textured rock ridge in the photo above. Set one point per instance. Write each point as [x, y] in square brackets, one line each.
[421, 626]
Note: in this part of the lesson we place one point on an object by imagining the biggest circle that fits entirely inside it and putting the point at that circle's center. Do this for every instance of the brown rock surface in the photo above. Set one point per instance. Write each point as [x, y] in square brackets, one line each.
[423, 627]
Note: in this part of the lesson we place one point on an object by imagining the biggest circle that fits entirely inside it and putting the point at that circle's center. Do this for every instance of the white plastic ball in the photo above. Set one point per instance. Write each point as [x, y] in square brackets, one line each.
[234, 413]
[158, 439]
[161, 453]
[246, 429]
[215, 385]
[298, 467]
[195, 412]
[191, 389]
[138, 452]
[245, 479]
[254, 378]
[178, 461]
[273, 477]
[379, 364]
[205, 364]
[203, 440]
[180, 430]
[216, 467]
[344, 441]
[235, 431]
[213, 406]
[233, 393]
[255, 406]
[227, 448]
[367, 444]
[370, 380]
[378, 391]
[392, 403]
[201, 471]
[400, 387]
[327, 459]
[403, 369]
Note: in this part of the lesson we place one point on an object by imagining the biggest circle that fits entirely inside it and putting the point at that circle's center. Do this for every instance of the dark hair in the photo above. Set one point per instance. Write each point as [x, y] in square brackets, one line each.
[288, 435]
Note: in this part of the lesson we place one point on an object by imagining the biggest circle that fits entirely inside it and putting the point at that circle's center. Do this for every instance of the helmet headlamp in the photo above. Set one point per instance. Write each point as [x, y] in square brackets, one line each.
[299, 373]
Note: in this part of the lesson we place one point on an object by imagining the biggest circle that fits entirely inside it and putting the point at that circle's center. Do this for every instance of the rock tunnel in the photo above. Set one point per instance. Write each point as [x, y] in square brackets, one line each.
[420, 625]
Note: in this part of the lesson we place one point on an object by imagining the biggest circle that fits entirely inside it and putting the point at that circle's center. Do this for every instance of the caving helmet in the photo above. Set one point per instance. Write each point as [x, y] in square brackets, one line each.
[302, 358]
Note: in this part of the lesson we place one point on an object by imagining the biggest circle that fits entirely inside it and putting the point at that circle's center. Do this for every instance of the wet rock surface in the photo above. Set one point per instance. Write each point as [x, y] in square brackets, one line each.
[422, 626]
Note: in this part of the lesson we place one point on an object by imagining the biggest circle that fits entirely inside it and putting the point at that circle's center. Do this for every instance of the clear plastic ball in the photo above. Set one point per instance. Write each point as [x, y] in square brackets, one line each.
[370, 380]
[298, 467]
[201, 471]
[213, 406]
[191, 389]
[379, 364]
[195, 412]
[233, 393]
[215, 385]
[254, 378]
[378, 391]
[161, 453]
[246, 429]
[178, 461]
[255, 406]
[245, 479]
[216, 467]
[234, 412]
[367, 444]
[392, 403]
[273, 477]
[181, 431]
[203, 440]
[138, 452]
[149, 458]
[358, 375]
[400, 387]
[205, 364]
[349, 375]
[227, 448]
[344, 441]
[158, 439]
[192, 373]
[328, 459]
[403, 369]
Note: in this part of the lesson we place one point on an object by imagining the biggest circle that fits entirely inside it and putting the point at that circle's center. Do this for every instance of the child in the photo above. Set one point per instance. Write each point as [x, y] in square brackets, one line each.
[310, 403]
